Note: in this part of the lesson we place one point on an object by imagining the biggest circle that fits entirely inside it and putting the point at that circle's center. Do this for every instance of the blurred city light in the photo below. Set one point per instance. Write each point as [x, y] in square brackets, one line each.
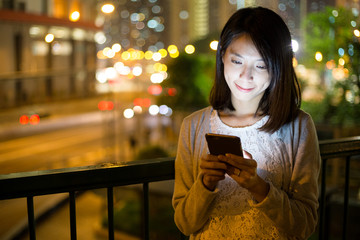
[34, 119]
[108, 52]
[142, 102]
[318, 56]
[74, 16]
[163, 52]
[24, 119]
[175, 54]
[295, 62]
[357, 33]
[172, 91]
[189, 49]
[128, 113]
[110, 73]
[116, 47]
[137, 70]
[125, 70]
[172, 49]
[165, 110]
[107, 8]
[49, 38]
[157, 56]
[106, 105]
[154, 110]
[155, 90]
[100, 38]
[118, 66]
[125, 55]
[184, 14]
[148, 55]
[101, 76]
[214, 45]
[137, 109]
[294, 45]
[330, 64]
[340, 73]
[157, 78]
[341, 61]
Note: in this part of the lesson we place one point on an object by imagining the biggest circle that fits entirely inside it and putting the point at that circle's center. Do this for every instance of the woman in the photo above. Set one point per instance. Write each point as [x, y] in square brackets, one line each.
[271, 192]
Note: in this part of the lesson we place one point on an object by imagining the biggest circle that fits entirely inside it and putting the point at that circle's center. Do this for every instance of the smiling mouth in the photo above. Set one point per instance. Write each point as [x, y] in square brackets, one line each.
[245, 90]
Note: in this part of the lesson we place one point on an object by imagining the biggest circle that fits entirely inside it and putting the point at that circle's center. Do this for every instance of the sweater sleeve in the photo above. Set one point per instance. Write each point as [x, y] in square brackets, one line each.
[191, 200]
[294, 210]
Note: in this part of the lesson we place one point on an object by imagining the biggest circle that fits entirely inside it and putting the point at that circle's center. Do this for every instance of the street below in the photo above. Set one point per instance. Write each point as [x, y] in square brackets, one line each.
[66, 139]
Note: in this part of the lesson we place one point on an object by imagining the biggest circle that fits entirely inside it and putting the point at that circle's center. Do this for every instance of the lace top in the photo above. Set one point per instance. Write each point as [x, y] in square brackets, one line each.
[288, 159]
[232, 217]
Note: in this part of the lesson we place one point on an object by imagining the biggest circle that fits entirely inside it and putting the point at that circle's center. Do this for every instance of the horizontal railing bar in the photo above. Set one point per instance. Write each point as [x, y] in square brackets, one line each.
[341, 147]
[16, 185]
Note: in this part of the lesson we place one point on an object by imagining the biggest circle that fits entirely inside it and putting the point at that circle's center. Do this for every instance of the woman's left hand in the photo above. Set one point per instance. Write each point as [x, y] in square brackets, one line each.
[244, 171]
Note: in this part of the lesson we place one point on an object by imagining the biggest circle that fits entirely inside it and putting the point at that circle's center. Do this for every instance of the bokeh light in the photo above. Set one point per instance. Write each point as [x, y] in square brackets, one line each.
[107, 8]
[214, 45]
[318, 56]
[189, 49]
[128, 113]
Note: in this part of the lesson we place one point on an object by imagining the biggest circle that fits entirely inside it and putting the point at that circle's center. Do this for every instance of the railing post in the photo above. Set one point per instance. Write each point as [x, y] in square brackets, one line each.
[31, 217]
[146, 209]
[72, 209]
[322, 199]
[110, 199]
[346, 197]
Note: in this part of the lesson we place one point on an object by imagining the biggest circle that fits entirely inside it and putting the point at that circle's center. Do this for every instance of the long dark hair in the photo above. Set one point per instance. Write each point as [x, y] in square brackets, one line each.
[281, 100]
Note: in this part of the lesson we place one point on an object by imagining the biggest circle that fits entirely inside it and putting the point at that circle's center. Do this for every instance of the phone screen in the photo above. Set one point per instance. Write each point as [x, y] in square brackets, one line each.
[220, 144]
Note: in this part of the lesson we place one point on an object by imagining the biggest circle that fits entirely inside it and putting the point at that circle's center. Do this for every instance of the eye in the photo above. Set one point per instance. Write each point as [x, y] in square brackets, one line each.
[236, 61]
[262, 67]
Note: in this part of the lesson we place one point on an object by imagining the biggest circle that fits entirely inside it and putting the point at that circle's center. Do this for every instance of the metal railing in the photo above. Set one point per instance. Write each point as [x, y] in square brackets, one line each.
[341, 150]
[108, 176]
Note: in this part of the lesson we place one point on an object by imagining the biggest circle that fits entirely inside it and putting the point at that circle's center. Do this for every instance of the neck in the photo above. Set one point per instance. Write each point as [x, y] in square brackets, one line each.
[244, 108]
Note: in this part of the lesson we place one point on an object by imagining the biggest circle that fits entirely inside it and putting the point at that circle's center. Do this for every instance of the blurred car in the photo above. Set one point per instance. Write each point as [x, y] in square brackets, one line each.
[33, 116]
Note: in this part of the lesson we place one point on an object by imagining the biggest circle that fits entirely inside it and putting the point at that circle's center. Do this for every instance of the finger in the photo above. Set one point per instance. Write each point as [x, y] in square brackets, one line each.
[213, 172]
[235, 172]
[209, 157]
[238, 161]
[206, 164]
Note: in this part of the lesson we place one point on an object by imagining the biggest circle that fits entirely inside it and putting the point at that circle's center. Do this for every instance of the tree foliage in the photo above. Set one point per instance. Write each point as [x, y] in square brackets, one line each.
[328, 31]
[331, 32]
[191, 76]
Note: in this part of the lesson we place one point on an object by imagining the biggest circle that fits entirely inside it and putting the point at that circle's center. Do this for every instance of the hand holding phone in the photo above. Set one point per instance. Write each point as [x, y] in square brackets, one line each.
[220, 144]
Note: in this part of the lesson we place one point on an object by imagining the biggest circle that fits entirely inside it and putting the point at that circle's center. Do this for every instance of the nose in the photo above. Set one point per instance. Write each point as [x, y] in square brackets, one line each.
[247, 73]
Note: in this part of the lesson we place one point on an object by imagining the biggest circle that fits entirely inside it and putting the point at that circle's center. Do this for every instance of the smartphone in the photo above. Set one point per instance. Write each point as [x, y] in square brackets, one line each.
[220, 144]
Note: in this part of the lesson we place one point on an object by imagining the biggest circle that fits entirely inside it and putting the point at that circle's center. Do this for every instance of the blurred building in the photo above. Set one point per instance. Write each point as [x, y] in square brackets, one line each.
[63, 66]
[48, 50]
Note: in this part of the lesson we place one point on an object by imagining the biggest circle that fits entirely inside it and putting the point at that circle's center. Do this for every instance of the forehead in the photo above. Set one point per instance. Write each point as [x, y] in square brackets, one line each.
[243, 45]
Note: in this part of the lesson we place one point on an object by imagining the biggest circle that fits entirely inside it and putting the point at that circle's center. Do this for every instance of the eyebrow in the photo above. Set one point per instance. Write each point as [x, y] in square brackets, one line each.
[239, 55]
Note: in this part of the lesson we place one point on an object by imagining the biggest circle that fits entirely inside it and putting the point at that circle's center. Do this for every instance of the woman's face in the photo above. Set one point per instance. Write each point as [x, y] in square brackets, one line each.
[245, 72]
